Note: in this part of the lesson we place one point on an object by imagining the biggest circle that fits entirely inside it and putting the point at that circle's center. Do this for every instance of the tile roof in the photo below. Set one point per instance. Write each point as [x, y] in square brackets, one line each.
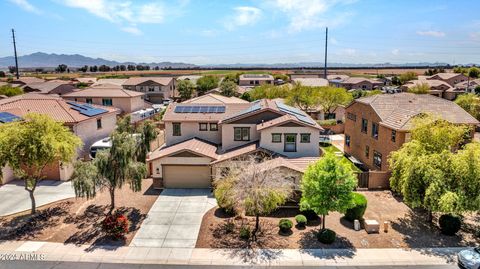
[445, 75]
[230, 109]
[86, 80]
[105, 90]
[116, 81]
[312, 82]
[137, 80]
[396, 110]
[48, 86]
[211, 98]
[27, 80]
[51, 105]
[282, 120]
[238, 151]
[296, 164]
[337, 77]
[256, 77]
[430, 82]
[356, 80]
[194, 145]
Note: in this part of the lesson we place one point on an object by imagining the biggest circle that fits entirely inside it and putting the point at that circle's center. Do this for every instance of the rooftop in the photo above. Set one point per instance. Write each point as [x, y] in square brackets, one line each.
[138, 80]
[256, 76]
[105, 90]
[355, 80]
[211, 98]
[312, 82]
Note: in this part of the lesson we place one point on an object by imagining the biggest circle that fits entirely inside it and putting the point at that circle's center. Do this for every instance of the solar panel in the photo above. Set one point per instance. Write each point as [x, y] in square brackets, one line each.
[8, 117]
[220, 109]
[195, 109]
[199, 109]
[300, 115]
[86, 109]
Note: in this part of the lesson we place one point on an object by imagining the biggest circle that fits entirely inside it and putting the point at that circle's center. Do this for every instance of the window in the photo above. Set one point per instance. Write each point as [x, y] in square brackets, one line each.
[375, 130]
[304, 138]
[107, 101]
[176, 129]
[330, 116]
[151, 88]
[99, 124]
[290, 144]
[251, 82]
[351, 116]
[364, 125]
[347, 140]
[89, 101]
[367, 151]
[276, 138]
[257, 82]
[377, 159]
[203, 126]
[394, 135]
[213, 127]
[241, 133]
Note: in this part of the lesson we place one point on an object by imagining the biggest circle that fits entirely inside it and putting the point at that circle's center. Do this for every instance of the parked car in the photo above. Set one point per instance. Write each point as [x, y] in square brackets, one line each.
[469, 258]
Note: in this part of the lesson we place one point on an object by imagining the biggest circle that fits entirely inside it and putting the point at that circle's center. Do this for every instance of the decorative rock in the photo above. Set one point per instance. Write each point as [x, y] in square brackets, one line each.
[356, 225]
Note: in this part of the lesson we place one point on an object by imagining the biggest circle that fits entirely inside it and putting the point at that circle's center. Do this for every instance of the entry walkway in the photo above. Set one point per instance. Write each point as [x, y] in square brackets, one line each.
[174, 219]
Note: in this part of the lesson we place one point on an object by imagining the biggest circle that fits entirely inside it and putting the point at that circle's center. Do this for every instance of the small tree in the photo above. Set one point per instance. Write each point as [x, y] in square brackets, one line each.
[228, 88]
[327, 186]
[31, 145]
[206, 83]
[111, 169]
[331, 97]
[407, 76]
[304, 97]
[61, 68]
[148, 133]
[185, 89]
[473, 73]
[471, 103]
[10, 91]
[124, 125]
[422, 88]
[269, 91]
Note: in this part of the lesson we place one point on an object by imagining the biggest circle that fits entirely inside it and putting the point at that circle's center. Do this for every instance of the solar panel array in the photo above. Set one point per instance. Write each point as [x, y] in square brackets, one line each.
[86, 109]
[6, 117]
[254, 107]
[255, 76]
[199, 109]
[300, 115]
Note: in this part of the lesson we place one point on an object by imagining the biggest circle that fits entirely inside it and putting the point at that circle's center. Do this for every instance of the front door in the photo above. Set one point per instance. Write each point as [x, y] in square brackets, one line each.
[290, 143]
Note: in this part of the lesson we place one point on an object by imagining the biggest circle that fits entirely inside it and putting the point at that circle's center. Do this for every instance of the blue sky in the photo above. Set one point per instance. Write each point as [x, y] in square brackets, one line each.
[250, 31]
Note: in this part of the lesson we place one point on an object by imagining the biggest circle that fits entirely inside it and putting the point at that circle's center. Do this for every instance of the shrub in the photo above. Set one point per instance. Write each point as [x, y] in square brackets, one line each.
[330, 122]
[245, 232]
[326, 236]
[301, 220]
[310, 214]
[223, 194]
[229, 227]
[358, 210]
[449, 224]
[285, 225]
[115, 225]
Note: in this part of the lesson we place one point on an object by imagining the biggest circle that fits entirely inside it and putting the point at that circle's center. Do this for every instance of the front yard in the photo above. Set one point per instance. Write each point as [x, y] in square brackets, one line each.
[408, 229]
[335, 150]
[78, 220]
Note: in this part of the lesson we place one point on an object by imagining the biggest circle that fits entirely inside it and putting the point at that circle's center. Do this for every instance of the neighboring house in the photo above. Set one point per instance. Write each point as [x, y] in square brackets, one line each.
[311, 82]
[115, 81]
[211, 98]
[88, 81]
[90, 123]
[356, 83]
[200, 138]
[377, 125]
[192, 78]
[27, 80]
[109, 95]
[335, 80]
[438, 88]
[306, 74]
[450, 78]
[467, 86]
[59, 87]
[238, 92]
[156, 89]
[252, 80]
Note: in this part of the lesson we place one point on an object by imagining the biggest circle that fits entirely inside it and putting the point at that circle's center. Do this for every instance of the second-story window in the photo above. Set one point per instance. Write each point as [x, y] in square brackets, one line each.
[351, 116]
[276, 138]
[364, 125]
[203, 126]
[375, 130]
[151, 88]
[304, 138]
[347, 140]
[367, 151]
[213, 127]
[177, 130]
[377, 159]
[394, 135]
[107, 102]
[241, 133]
[89, 101]
[99, 123]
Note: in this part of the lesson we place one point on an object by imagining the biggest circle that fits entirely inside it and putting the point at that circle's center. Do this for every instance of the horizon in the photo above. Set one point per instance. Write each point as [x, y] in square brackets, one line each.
[246, 32]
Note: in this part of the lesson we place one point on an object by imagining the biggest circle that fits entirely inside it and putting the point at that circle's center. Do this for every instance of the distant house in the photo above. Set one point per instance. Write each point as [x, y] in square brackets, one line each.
[88, 81]
[252, 80]
[306, 74]
[311, 82]
[450, 78]
[238, 91]
[438, 88]
[335, 79]
[211, 98]
[156, 89]
[357, 83]
[467, 86]
[115, 81]
[27, 80]
[59, 87]
[191, 78]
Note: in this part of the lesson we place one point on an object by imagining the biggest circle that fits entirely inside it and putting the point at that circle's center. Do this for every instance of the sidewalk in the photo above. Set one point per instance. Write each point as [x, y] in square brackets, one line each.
[271, 257]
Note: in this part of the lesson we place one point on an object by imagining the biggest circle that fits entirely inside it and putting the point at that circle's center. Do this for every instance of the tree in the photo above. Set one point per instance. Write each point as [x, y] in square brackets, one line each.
[104, 68]
[148, 133]
[473, 73]
[269, 91]
[12, 69]
[61, 68]
[124, 125]
[469, 102]
[422, 88]
[282, 77]
[396, 81]
[306, 98]
[185, 89]
[228, 88]
[363, 93]
[206, 83]
[2, 74]
[232, 77]
[331, 97]
[407, 76]
[131, 67]
[83, 69]
[31, 145]
[111, 169]
[10, 91]
[93, 68]
[256, 188]
[327, 185]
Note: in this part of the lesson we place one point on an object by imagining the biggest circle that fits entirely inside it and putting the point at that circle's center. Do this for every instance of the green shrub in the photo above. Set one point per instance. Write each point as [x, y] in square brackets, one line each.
[285, 225]
[330, 122]
[358, 210]
[326, 236]
[301, 220]
[223, 194]
[229, 227]
[245, 232]
[449, 224]
[310, 214]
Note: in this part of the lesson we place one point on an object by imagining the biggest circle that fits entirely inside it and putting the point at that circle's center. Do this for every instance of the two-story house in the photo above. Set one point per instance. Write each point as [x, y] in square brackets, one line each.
[356, 83]
[200, 138]
[450, 78]
[252, 80]
[156, 89]
[377, 125]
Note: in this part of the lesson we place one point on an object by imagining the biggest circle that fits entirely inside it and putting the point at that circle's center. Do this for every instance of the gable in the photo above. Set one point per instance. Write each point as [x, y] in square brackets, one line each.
[149, 83]
[186, 154]
[291, 124]
[257, 118]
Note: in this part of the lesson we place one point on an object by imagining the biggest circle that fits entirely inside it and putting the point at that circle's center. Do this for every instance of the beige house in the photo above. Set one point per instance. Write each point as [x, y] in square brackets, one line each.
[109, 95]
[252, 80]
[156, 89]
[311, 82]
[89, 125]
[27, 80]
[211, 98]
[356, 83]
[59, 87]
[438, 88]
[200, 137]
[450, 78]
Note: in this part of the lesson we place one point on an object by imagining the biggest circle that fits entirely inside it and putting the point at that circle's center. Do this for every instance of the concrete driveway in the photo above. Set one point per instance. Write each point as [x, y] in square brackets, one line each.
[174, 220]
[14, 198]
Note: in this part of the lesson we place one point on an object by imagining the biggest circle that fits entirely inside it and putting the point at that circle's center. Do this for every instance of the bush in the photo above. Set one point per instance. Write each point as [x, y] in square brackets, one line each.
[358, 210]
[449, 224]
[223, 194]
[245, 232]
[115, 225]
[310, 215]
[285, 225]
[326, 236]
[330, 122]
[229, 227]
[301, 220]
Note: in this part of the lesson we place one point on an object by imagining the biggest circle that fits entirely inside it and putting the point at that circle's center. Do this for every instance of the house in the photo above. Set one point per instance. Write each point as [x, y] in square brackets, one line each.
[90, 123]
[109, 95]
[438, 88]
[200, 139]
[156, 89]
[311, 82]
[59, 87]
[27, 80]
[467, 86]
[211, 98]
[252, 80]
[115, 81]
[306, 74]
[450, 78]
[377, 125]
[88, 81]
[191, 78]
[357, 83]
[335, 80]
[238, 91]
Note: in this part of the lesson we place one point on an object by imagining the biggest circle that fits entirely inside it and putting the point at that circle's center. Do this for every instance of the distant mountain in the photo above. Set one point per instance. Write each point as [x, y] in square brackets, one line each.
[321, 64]
[40, 59]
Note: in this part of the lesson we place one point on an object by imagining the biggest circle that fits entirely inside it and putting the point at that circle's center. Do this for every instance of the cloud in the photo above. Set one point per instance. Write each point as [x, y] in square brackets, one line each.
[395, 52]
[431, 33]
[243, 16]
[25, 5]
[208, 33]
[475, 36]
[132, 30]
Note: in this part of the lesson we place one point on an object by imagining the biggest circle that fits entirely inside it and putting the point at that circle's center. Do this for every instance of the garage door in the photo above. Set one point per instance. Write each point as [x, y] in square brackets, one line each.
[186, 176]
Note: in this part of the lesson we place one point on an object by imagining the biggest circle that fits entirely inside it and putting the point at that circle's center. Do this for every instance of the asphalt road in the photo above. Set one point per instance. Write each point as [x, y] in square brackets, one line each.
[84, 265]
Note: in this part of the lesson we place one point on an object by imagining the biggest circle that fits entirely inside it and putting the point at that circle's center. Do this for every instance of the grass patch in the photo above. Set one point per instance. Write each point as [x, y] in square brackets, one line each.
[333, 149]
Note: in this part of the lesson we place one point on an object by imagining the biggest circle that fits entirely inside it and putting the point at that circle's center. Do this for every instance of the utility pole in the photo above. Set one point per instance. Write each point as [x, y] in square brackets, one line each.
[15, 50]
[326, 45]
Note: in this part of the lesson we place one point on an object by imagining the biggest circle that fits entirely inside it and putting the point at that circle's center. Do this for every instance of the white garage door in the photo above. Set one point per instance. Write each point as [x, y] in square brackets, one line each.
[186, 176]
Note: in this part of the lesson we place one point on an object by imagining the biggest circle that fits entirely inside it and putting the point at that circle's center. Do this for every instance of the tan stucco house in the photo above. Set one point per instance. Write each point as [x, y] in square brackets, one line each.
[252, 80]
[156, 89]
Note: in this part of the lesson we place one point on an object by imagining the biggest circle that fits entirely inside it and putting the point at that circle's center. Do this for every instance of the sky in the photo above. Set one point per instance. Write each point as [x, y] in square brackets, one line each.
[249, 31]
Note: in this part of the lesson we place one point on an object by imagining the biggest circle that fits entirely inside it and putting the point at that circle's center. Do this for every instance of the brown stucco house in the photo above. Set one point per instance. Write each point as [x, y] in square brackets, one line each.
[156, 89]
[377, 125]
[201, 137]
[450, 78]
[437, 87]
